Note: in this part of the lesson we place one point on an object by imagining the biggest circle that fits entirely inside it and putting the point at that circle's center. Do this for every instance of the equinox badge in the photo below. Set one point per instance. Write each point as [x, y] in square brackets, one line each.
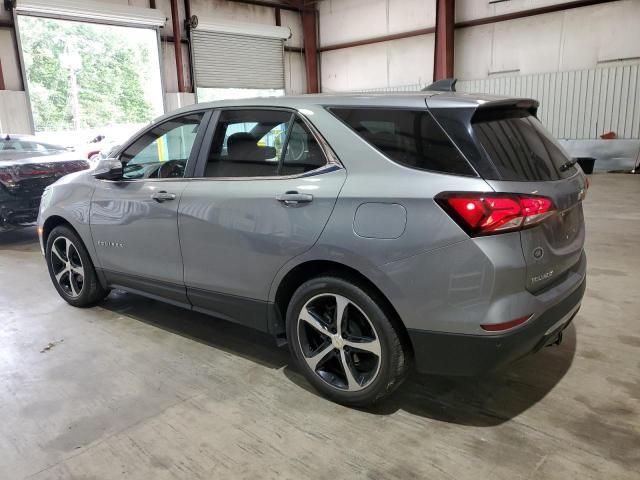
[103, 243]
[542, 277]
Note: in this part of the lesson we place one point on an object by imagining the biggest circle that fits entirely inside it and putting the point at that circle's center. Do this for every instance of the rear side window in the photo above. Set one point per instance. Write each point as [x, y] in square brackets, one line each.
[409, 137]
[520, 148]
[262, 143]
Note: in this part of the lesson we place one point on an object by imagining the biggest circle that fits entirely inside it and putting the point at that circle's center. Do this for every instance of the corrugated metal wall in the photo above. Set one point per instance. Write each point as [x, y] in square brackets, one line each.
[577, 105]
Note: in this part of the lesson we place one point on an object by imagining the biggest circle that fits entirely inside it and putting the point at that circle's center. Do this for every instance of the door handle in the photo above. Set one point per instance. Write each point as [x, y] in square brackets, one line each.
[294, 198]
[163, 196]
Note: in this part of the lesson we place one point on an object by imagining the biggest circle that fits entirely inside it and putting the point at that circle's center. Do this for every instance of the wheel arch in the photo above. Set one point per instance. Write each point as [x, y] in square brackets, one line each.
[52, 222]
[304, 271]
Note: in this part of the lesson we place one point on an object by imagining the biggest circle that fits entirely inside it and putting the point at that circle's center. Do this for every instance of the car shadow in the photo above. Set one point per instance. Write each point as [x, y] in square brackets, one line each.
[490, 399]
[21, 239]
[230, 337]
[483, 401]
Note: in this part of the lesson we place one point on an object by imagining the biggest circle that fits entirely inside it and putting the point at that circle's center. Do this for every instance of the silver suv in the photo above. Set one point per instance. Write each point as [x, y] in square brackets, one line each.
[369, 232]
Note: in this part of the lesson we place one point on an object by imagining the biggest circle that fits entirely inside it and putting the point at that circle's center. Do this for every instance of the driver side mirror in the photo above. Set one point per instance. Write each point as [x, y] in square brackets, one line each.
[108, 169]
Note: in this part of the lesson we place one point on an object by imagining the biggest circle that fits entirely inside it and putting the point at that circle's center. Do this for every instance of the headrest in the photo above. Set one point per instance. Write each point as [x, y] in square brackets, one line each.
[243, 146]
[240, 137]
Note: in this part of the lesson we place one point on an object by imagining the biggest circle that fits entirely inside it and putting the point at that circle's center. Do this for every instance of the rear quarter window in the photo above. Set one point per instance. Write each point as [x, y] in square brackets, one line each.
[411, 138]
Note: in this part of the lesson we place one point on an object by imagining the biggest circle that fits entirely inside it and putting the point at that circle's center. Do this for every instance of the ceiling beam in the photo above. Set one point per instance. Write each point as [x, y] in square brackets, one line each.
[559, 7]
[383, 38]
[267, 3]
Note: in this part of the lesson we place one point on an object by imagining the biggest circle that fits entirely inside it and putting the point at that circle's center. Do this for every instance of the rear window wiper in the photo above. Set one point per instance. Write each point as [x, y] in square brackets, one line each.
[567, 165]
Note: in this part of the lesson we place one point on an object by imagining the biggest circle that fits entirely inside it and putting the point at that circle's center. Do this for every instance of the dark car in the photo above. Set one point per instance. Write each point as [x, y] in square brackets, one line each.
[27, 166]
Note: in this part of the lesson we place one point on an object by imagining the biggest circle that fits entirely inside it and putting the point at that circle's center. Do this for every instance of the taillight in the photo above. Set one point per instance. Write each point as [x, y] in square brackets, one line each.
[5, 177]
[490, 213]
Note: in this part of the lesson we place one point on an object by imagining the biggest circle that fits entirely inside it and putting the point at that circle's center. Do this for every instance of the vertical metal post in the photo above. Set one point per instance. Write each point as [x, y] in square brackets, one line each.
[278, 15]
[187, 27]
[177, 45]
[162, 71]
[2, 85]
[187, 10]
[310, 39]
[445, 37]
[23, 71]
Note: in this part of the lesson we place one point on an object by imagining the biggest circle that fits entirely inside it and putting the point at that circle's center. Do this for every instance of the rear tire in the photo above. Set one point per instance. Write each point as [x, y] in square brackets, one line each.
[71, 269]
[355, 358]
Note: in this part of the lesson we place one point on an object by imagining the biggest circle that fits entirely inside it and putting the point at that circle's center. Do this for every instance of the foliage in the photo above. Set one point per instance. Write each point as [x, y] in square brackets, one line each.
[112, 70]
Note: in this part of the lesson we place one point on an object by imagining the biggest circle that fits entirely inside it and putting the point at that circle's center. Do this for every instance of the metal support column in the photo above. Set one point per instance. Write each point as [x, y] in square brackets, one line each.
[310, 38]
[177, 45]
[444, 49]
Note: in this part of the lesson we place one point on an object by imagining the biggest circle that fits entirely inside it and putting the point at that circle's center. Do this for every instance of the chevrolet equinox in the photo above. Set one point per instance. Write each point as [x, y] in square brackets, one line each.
[368, 232]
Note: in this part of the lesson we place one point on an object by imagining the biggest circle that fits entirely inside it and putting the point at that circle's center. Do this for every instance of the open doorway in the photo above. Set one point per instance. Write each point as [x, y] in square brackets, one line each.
[90, 85]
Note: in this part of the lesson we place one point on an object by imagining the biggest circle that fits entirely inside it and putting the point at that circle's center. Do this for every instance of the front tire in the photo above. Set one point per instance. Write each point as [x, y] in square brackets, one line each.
[71, 269]
[344, 342]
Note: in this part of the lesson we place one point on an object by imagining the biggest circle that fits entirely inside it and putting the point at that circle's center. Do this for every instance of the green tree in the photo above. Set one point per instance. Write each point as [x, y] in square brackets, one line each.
[111, 74]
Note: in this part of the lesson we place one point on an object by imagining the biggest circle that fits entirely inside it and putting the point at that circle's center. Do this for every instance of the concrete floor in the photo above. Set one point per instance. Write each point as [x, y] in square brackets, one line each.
[138, 389]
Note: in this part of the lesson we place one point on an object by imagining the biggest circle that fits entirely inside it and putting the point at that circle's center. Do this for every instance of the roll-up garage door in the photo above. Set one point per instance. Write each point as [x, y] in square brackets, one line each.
[92, 11]
[238, 55]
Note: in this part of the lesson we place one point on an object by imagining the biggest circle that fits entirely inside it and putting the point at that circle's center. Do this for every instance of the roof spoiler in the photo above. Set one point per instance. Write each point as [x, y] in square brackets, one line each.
[528, 104]
[444, 85]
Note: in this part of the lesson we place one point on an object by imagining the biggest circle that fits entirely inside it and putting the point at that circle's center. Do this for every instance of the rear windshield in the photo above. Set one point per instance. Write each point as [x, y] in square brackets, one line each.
[519, 147]
[409, 137]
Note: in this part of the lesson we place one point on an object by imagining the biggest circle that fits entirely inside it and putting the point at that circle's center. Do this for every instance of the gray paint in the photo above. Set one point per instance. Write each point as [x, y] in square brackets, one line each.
[124, 213]
[235, 235]
[380, 220]
[236, 240]
[70, 199]
[561, 237]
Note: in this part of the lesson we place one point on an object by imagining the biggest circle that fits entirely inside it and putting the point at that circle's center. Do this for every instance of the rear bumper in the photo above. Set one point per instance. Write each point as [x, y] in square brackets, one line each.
[459, 354]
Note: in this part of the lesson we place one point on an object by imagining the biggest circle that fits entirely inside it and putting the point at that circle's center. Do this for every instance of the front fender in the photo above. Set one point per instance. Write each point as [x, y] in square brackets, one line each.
[69, 199]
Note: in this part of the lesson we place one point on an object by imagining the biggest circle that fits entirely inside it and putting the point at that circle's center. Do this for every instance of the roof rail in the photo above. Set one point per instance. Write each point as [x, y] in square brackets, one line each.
[444, 85]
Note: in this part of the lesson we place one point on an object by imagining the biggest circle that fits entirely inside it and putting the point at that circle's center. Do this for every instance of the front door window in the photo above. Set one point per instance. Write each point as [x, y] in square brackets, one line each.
[163, 151]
